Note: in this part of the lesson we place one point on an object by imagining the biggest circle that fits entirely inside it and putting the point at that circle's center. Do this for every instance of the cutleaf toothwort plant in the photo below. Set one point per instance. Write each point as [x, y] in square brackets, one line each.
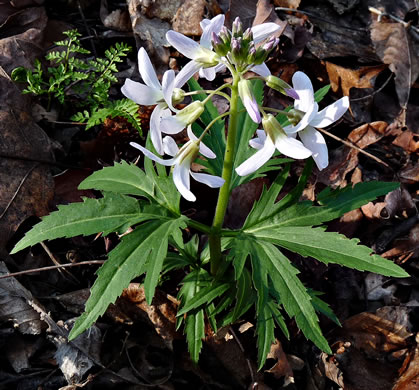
[238, 269]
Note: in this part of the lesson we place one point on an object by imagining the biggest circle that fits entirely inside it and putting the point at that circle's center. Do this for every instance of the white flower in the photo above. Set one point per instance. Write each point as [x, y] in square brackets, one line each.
[185, 117]
[271, 138]
[204, 59]
[307, 111]
[182, 160]
[201, 53]
[152, 92]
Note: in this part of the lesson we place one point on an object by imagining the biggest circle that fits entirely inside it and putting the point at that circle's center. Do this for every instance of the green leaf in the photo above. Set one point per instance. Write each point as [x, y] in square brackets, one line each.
[244, 296]
[321, 93]
[138, 252]
[265, 331]
[194, 322]
[111, 213]
[329, 247]
[322, 307]
[122, 178]
[204, 296]
[265, 209]
[293, 295]
[334, 204]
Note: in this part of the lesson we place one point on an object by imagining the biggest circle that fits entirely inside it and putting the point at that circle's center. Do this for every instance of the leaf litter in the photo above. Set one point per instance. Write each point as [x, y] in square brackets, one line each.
[136, 344]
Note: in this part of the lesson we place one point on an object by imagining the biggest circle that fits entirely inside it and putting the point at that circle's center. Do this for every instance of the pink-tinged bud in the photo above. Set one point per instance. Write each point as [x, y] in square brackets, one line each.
[237, 28]
[215, 39]
[248, 99]
[281, 86]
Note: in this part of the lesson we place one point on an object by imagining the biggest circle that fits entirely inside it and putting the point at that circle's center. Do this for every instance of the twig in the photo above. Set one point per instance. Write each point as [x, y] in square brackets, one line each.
[395, 18]
[351, 145]
[61, 270]
[375, 92]
[34, 270]
[249, 364]
[17, 190]
[86, 26]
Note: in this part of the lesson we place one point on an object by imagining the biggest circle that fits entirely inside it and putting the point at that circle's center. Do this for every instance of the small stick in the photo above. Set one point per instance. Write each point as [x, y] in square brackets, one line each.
[249, 365]
[34, 270]
[351, 145]
[57, 263]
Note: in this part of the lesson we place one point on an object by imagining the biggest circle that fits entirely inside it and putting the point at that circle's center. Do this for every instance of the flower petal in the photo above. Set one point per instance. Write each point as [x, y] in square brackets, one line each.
[172, 125]
[291, 147]
[263, 31]
[215, 26]
[314, 140]
[203, 149]
[169, 146]
[258, 142]
[304, 88]
[187, 46]
[186, 73]
[209, 180]
[204, 23]
[182, 181]
[261, 70]
[168, 84]
[152, 156]
[331, 113]
[147, 71]
[155, 133]
[207, 73]
[140, 93]
[254, 162]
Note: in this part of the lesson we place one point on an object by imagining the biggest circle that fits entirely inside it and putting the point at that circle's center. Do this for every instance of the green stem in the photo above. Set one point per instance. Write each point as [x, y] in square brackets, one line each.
[224, 194]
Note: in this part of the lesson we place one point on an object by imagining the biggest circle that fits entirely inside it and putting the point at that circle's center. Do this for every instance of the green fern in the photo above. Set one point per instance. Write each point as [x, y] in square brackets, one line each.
[85, 81]
[125, 108]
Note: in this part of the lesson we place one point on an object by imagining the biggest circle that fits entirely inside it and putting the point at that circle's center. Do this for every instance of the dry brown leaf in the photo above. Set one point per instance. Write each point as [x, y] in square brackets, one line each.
[188, 17]
[118, 19]
[287, 3]
[374, 335]
[395, 47]
[407, 140]
[265, 12]
[373, 210]
[346, 78]
[162, 311]
[282, 367]
[409, 372]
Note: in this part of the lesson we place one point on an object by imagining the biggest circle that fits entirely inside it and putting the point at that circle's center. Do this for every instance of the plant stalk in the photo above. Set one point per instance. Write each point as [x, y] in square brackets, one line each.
[224, 194]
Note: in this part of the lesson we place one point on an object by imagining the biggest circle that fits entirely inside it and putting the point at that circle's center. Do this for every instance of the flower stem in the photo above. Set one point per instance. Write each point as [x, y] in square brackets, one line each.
[224, 194]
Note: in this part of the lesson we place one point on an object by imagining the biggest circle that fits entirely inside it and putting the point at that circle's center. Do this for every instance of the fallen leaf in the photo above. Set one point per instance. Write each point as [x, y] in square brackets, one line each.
[395, 47]
[14, 305]
[282, 367]
[26, 186]
[287, 3]
[265, 12]
[188, 17]
[72, 362]
[347, 78]
[161, 312]
[409, 372]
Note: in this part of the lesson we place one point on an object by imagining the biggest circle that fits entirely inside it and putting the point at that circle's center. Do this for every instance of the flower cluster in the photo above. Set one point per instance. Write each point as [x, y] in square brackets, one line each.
[240, 52]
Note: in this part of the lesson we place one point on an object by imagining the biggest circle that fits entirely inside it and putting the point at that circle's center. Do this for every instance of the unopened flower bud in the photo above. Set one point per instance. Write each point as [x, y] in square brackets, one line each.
[272, 127]
[225, 36]
[248, 35]
[219, 47]
[281, 86]
[237, 28]
[190, 113]
[251, 56]
[177, 96]
[268, 46]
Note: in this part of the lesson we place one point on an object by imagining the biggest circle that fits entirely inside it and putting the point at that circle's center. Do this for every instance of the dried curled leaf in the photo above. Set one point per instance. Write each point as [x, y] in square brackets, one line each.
[394, 46]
